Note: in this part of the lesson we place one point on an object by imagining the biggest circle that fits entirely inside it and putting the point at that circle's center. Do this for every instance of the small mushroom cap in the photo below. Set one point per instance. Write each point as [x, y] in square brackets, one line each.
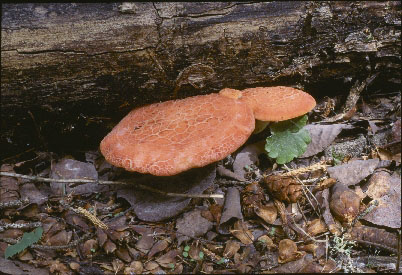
[167, 138]
[231, 93]
[277, 103]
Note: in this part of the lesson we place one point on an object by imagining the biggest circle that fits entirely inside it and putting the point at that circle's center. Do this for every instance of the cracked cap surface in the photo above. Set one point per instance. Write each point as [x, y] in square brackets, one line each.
[277, 103]
[167, 138]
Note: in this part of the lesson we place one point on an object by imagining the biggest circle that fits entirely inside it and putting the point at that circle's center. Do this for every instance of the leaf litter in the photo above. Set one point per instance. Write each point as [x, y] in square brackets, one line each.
[338, 214]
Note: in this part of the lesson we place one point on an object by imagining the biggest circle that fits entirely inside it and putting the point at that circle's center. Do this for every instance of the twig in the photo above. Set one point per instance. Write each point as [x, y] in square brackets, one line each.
[373, 204]
[14, 204]
[52, 247]
[108, 182]
[4, 226]
[304, 188]
[285, 223]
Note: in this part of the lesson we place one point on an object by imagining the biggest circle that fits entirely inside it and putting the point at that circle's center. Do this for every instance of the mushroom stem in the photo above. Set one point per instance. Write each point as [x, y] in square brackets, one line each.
[260, 126]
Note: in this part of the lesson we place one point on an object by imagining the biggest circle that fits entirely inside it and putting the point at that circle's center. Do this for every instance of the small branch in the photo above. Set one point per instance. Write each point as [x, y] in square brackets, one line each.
[14, 204]
[51, 247]
[107, 182]
[4, 226]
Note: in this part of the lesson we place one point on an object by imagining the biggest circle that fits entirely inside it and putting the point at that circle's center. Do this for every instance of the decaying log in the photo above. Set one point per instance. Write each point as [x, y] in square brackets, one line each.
[69, 71]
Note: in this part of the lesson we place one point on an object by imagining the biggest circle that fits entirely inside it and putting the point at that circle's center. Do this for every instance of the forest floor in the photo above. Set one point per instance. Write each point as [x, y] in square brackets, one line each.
[335, 209]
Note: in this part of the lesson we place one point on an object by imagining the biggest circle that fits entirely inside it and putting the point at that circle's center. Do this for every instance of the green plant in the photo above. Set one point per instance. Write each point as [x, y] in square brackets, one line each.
[342, 250]
[27, 240]
[337, 157]
[288, 139]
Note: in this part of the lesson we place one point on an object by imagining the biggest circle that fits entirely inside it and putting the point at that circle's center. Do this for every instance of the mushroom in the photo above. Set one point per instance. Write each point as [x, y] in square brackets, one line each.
[167, 138]
[276, 104]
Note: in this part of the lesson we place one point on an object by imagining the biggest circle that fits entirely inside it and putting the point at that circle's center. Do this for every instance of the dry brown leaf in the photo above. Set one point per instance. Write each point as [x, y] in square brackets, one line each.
[109, 247]
[158, 247]
[231, 210]
[230, 249]
[117, 265]
[354, 171]
[123, 254]
[135, 267]
[374, 235]
[61, 238]
[192, 224]
[386, 189]
[167, 259]
[344, 203]
[151, 265]
[267, 241]
[241, 232]
[152, 207]
[288, 251]
[321, 137]
[316, 227]
[145, 243]
[268, 212]
[89, 247]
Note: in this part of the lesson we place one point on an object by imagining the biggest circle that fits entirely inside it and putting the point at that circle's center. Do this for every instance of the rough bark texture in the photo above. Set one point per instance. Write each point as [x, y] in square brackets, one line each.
[76, 69]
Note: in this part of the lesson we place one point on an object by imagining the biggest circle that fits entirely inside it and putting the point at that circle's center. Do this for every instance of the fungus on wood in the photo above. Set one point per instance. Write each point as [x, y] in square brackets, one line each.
[167, 138]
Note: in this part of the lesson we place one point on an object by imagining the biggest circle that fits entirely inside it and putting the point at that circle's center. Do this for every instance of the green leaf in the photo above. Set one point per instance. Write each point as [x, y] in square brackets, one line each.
[185, 254]
[27, 240]
[187, 248]
[221, 261]
[201, 255]
[291, 125]
[288, 140]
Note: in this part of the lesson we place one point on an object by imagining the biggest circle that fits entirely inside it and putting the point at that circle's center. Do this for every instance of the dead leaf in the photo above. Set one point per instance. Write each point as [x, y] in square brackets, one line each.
[123, 254]
[109, 247]
[321, 137]
[153, 207]
[246, 157]
[344, 203]
[374, 235]
[17, 267]
[323, 199]
[230, 249]
[192, 224]
[73, 169]
[354, 171]
[231, 210]
[267, 212]
[316, 227]
[240, 231]
[89, 247]
[387, 190]
[288, 251]
[158, 247]
[145, 243]
[135, 267]
[61, 238]
[267, 241]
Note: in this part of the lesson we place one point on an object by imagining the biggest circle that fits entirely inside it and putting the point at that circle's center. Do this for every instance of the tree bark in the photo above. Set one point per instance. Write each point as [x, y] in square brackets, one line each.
[70, 71]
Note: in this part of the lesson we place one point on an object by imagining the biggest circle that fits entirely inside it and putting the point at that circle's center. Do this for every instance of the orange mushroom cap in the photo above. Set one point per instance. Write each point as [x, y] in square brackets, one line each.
[277, 103]
[167, 138]
[231, 93]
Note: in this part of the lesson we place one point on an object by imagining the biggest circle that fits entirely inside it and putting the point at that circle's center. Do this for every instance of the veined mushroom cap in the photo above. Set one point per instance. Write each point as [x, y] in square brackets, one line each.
[277, 103]
[167, 138]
